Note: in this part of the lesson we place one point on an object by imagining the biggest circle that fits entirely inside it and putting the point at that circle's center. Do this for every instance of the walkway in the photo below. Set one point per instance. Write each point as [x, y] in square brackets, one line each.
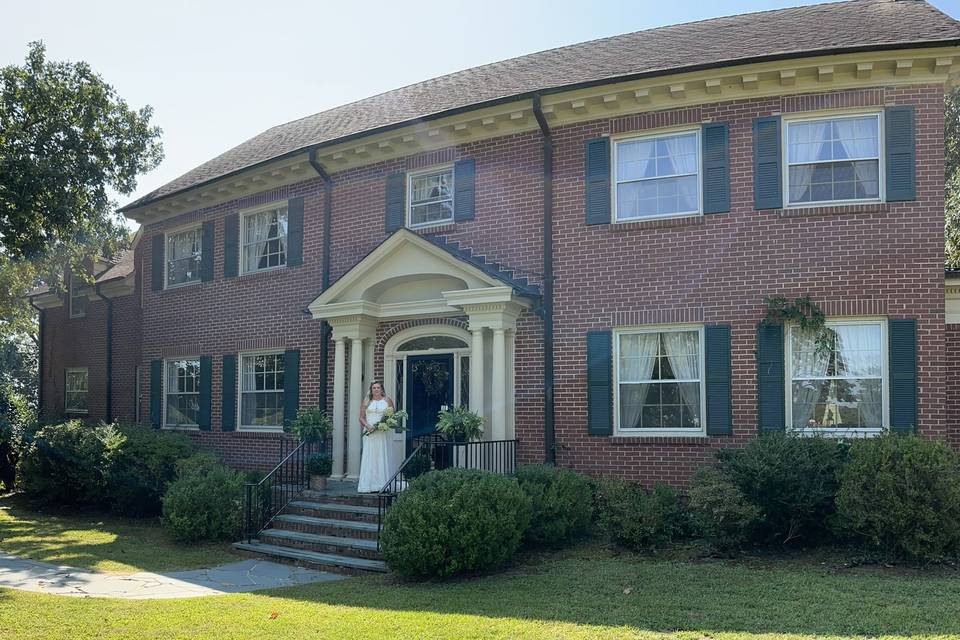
[237, 577]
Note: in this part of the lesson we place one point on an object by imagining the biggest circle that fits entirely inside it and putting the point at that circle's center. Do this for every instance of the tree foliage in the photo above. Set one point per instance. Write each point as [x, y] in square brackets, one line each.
[952, 178]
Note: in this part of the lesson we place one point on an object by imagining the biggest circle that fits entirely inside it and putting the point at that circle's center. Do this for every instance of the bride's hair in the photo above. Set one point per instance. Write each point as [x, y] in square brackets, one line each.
[367, 398]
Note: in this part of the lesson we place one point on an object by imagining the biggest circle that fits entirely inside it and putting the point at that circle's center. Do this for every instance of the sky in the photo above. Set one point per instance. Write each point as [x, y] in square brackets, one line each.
[219, 72]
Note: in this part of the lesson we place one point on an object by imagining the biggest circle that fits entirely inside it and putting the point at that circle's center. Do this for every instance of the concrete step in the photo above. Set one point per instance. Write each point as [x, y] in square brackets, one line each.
[323, 561]
[326, 526]
[355, 547]
[333, 510]
[359, 499]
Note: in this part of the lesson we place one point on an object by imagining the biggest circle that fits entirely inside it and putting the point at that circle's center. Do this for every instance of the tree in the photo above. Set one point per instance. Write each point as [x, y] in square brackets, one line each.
[952, 178]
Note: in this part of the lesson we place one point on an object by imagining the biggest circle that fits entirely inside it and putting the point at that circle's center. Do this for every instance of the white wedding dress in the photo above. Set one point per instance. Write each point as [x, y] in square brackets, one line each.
[375, 461]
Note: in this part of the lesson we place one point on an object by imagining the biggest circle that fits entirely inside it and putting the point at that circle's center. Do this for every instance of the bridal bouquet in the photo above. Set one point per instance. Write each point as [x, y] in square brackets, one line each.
[392, 420]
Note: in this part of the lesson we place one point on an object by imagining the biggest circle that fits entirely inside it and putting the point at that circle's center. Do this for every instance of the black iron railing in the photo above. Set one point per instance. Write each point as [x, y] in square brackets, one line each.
[264, 500]
[433, 453]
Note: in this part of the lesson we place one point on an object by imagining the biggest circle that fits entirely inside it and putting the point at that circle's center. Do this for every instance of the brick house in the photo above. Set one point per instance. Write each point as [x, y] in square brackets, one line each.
[575, 243]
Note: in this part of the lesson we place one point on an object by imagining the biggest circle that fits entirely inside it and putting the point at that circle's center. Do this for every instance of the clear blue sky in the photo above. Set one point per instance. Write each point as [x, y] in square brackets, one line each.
[217, 73]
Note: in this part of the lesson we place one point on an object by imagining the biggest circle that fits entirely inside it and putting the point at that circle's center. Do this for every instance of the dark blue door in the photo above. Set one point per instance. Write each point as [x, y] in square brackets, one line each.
[429, 388]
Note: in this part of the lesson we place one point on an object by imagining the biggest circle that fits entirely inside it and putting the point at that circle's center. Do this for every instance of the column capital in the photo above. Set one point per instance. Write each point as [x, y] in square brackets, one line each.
[358, 327]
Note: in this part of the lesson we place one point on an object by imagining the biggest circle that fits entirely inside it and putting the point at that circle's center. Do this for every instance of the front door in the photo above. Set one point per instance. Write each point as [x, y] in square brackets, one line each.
[429, 389]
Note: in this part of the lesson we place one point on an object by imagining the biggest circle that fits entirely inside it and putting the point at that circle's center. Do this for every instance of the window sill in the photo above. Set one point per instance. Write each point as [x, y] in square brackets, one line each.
[170, 427]
[693, 439]
[835, 209]
[182, 285]
[658, 223]
[260, 429]
[263, 272]
[76, 412]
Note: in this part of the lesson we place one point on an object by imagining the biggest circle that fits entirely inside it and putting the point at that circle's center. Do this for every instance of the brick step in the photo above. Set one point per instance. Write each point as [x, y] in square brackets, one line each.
[332, 511]
[354, 547]
[358, 499]
[311, 559]
[326, 526]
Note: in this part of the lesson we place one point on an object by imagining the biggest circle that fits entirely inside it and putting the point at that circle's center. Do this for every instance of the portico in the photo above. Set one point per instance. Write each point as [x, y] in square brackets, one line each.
[412, 277]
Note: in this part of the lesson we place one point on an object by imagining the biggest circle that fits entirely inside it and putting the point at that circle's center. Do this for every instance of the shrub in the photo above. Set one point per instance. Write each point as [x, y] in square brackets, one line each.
[319, 464]
[455, 521]
[792, 480]
[205, 502]
[900, 496]
[70, 463]
[561, 504]
[639, 519]
[418, 465]
[312, 425]
[16, 419]
[721, 515]
[143, 467]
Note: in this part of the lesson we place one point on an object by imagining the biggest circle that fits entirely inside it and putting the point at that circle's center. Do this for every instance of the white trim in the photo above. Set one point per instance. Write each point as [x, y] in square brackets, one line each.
[884, 381]
[163, 395]
[66, 374]
[258, 428]
[832, 114]
[243, 214]
[408, 204]
[166, 261]
[654, 134]
[658, 328]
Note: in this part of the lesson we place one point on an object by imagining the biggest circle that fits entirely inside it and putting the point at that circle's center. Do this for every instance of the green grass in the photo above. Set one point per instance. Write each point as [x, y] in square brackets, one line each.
[96, 541]
[585, 592]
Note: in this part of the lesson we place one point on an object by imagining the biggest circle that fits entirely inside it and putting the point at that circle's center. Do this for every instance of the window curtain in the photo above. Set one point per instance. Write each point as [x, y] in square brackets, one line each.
[683, 351]
[807, 362]
[857, 138]
[258, 233]
[683, 157]
[809, 142]
[859, 354]
[638, 355]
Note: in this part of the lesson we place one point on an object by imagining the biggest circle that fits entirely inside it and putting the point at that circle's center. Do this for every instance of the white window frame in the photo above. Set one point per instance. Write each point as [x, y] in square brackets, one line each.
[244, 216]
[166, 392]
[66, 392]
[659, 133]
[639, 432]
[240, 392]
[832, 115]
[884, 382]
[409, 199]
[166, 258]
[76, 284]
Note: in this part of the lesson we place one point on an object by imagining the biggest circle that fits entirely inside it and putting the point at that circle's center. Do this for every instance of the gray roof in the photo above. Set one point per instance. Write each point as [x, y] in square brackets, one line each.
[121, 266]
[783, 33]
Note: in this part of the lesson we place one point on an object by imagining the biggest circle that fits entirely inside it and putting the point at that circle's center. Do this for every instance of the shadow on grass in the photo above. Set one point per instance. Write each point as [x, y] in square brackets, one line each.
[594, 586]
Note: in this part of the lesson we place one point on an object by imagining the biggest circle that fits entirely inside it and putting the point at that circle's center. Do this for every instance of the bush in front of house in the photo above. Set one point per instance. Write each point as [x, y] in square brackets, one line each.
[143, 467]
[205, 502]
[639, 519]
[720, 514]
[899, 496]
[70, 463]
[561, 503]
[17, 418]
[455, 521]
[792, 479]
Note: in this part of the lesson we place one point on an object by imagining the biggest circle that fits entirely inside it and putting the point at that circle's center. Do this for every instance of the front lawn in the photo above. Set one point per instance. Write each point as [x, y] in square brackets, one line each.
[585, 592]
[95, 541]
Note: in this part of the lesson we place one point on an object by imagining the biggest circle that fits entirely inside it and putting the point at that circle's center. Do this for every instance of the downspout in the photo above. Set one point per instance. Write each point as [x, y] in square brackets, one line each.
[41, 322]
[109, 302]
[325, 278]
[549, 433]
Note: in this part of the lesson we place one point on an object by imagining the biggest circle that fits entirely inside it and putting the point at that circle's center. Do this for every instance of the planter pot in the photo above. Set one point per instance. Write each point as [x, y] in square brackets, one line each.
[318, 483]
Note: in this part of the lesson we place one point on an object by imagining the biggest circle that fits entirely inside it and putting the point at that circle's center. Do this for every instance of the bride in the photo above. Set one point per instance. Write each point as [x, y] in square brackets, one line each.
[374, 462]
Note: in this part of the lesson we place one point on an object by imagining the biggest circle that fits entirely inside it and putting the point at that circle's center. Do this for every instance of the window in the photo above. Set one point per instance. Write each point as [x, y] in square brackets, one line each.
[261, 391]
[75, 397]
[426, 343]
[659, 380]
[657, 176]
[78, 300]
[184, 252]
[836, 379]
[833, 160]
[182, 389]
[265, 239]
[431, 197]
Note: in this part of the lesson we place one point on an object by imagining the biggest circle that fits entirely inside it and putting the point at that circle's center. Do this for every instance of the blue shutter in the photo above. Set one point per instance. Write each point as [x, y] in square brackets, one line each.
[228, 394]
[206, 387]
[717, 373]
[156, 392]
[771, 392]
[464, 189]
[291, 386]
[156, 263]
[599, 383]
[395, 197]
[295, 232]
[597, 176]
[903, 375]
[900, 143]
[206, 251]
[715, 141]
[231, 240]
[767, 174]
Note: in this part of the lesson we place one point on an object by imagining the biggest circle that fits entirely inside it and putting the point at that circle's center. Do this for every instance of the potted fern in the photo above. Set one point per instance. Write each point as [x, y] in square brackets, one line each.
[319, 466]
[312, 425]
[460, 424]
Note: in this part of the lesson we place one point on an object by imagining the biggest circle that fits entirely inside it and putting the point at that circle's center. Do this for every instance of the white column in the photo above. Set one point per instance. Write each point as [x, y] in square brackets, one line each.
[339, 390]
[511, 430]
[368, 374]
[354, 434]
[476, 371]
[498, 418]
